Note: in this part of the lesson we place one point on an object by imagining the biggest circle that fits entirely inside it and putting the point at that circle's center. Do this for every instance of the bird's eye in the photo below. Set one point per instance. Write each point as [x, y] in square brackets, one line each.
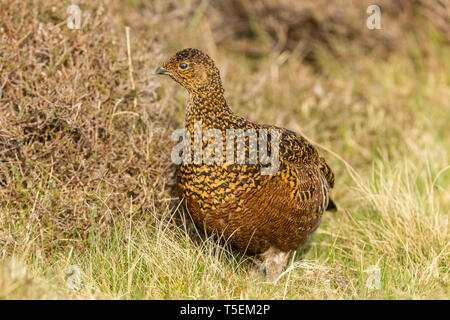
[182, 66]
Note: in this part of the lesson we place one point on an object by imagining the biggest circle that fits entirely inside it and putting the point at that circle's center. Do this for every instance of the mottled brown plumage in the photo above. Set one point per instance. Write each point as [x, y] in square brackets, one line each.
[265, 215]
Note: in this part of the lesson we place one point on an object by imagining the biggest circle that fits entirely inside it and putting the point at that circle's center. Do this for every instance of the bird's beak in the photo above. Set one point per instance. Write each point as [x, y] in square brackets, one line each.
[160, 70]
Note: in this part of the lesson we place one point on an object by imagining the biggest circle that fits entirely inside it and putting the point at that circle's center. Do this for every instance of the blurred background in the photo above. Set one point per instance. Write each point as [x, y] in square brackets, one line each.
[85, 141]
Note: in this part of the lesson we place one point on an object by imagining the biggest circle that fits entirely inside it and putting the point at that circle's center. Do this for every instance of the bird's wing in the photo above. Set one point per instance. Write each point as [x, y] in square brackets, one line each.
[326, 170]
[297, 150]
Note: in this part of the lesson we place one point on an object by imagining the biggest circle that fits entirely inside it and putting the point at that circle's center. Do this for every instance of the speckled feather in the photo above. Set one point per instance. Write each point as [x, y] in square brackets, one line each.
[252, 211]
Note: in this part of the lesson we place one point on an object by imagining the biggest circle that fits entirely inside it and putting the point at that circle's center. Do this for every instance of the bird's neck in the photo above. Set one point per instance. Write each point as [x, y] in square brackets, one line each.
[209, 107]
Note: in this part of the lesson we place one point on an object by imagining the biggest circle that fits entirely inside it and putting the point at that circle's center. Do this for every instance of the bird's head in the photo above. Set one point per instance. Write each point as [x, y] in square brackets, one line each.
[194, 70]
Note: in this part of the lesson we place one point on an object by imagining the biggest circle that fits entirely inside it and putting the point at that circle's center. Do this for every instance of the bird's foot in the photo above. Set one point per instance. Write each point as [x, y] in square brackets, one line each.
[274, 261]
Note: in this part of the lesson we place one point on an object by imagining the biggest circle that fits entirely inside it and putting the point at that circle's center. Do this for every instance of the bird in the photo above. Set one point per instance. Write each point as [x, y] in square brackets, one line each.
[263, 214]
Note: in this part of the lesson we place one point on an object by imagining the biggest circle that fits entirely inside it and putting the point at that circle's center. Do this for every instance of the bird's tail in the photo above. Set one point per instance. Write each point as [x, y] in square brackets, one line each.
[331, 206]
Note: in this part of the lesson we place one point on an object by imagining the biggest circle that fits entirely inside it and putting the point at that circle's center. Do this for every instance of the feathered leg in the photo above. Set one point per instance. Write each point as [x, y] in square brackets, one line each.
[274, 261]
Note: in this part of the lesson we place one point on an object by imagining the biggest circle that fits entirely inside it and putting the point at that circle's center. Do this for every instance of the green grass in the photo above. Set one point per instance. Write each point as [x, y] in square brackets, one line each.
[92, 186]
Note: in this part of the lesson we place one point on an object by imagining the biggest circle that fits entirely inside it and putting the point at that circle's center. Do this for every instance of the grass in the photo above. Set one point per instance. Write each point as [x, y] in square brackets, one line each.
[86, 181]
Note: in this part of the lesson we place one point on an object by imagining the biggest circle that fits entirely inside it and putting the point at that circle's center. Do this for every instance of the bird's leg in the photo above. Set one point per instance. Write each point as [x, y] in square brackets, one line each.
[274, 261]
